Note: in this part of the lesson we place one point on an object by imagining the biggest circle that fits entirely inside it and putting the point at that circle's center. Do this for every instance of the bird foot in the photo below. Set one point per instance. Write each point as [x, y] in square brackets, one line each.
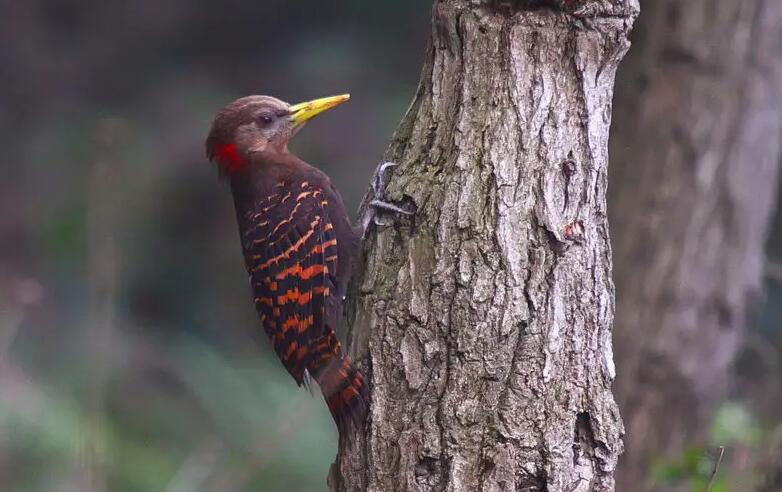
[379, 179]
[379, 203]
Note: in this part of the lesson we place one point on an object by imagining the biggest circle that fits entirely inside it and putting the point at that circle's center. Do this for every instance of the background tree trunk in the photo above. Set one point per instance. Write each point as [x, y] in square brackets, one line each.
[485, 323]
[695, 150]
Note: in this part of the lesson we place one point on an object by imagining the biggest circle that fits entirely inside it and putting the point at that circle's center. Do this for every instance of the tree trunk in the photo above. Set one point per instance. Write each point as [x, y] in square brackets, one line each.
[696, 149]
[484, 324]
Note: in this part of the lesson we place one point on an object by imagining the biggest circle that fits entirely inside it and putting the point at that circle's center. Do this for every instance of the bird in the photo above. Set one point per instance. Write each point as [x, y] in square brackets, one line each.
[298, 242]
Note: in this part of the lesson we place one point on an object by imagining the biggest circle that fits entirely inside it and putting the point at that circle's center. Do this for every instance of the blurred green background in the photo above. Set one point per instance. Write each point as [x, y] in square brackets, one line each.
[131, 358]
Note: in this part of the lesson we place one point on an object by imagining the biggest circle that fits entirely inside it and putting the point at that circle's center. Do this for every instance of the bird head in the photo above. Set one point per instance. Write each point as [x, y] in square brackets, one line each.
[258, 124]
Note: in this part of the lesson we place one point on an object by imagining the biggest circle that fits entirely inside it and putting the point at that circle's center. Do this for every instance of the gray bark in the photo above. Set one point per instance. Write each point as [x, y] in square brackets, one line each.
[695, 152]
[484, 324]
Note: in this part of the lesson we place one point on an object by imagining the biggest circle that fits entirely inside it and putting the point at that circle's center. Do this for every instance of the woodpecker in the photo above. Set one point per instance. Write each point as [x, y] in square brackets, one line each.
[299, 244]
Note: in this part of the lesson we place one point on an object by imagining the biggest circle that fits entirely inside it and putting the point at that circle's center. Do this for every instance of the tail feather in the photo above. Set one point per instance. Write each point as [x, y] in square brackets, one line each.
[341, 383]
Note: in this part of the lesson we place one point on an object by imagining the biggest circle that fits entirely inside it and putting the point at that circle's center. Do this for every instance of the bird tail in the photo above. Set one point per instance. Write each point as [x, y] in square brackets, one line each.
[342, 385]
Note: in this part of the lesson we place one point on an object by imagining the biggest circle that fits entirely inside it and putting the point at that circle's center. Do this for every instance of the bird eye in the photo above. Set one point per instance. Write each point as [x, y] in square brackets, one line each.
[265, 119]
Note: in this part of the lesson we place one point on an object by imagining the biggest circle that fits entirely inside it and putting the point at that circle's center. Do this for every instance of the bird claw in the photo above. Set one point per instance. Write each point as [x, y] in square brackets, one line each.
[379, 179]
[378, 203]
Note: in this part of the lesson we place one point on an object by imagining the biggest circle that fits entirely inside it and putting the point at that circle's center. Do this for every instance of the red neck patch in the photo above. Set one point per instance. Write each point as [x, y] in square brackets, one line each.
[228, 158]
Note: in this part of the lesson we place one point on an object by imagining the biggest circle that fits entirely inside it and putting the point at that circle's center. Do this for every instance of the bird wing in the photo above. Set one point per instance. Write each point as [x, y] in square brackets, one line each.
[290, 249]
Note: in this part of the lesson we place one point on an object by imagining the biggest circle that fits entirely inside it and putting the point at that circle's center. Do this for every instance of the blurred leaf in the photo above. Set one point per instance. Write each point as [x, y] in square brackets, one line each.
[734, 424]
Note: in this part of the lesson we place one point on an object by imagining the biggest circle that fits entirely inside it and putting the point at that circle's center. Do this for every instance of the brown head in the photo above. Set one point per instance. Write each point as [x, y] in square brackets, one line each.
[258, 124]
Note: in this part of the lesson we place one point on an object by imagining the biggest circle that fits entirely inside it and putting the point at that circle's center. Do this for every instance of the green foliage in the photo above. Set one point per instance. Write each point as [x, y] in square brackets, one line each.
[734, 428]
[221, 420]
[734, 423]
[691, 471]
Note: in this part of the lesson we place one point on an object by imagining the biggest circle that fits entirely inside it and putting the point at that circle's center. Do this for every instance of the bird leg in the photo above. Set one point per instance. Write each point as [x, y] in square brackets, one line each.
[379, 202]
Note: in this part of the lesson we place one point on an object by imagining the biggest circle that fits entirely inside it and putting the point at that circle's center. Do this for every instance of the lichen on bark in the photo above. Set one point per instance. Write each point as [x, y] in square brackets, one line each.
[484, 323]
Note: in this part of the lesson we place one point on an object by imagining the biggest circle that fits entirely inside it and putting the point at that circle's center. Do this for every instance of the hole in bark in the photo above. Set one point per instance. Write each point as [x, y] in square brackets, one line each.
[584, 439]
[532, 483]
[427, 471]
[556, 245]
[408, 203]
[488, 466]
[569, 166]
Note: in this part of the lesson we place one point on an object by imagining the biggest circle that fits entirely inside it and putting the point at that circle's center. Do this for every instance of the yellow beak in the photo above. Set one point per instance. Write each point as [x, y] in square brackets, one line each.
[302, 112]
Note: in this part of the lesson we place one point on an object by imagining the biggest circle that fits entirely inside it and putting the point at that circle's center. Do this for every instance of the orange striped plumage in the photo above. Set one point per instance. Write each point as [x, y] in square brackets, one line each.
[292, 256]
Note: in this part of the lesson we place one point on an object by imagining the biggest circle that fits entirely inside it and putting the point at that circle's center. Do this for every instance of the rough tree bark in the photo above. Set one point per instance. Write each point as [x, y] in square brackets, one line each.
[695, 151]
[485, 323]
